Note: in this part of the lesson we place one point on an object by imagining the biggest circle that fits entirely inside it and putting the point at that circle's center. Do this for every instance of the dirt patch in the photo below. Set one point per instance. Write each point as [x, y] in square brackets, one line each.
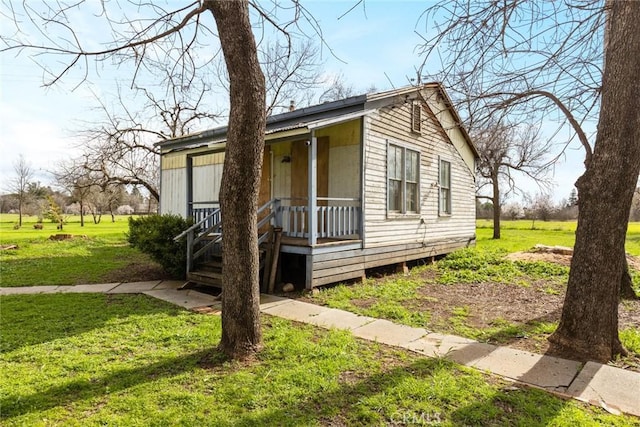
[137, 272]
[513, 315]
[525, 307]
[60, 237]
[540, 256]
[559, 257]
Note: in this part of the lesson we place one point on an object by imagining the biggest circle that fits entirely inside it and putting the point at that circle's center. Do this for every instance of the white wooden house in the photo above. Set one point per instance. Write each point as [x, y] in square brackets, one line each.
[389, 178]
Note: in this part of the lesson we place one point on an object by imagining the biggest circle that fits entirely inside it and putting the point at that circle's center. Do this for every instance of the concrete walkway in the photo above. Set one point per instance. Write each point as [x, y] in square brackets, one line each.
[616, 390]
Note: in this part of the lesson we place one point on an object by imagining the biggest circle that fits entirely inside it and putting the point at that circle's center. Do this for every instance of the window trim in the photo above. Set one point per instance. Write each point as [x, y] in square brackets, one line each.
[403, 212]
[446, 210]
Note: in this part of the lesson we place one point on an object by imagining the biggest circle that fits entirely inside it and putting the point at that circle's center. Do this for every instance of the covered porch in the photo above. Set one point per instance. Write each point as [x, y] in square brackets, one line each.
[311, 184]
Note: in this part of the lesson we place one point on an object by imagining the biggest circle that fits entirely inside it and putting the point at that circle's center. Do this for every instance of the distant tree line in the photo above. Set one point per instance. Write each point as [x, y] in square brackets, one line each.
[543, 208]
[28, 197]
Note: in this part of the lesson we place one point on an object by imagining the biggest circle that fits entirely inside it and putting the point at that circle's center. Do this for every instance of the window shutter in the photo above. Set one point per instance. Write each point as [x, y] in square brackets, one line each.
[416, 117]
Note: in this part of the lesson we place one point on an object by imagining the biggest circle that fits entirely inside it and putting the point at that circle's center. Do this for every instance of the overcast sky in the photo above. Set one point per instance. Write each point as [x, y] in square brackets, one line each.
[372, 47]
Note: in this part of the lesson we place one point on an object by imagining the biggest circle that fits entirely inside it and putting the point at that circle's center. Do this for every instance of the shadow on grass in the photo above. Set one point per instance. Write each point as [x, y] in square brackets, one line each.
[79, 262]
[69, 392]
[353, 402]
[357, 403]
[35, 319]
[516, 332]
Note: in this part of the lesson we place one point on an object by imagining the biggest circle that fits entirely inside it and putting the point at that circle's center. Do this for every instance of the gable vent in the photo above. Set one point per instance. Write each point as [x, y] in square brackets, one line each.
[416, 117]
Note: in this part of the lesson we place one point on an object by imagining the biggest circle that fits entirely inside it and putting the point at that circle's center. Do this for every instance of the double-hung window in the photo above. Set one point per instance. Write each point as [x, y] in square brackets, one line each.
[403, 174]
[444, 182]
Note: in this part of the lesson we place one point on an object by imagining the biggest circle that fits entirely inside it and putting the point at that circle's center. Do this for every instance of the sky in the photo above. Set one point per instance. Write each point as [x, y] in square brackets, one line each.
[372, 45]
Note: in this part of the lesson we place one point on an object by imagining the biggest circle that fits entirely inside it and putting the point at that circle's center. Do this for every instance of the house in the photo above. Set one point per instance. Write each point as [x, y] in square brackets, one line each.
[389, 177]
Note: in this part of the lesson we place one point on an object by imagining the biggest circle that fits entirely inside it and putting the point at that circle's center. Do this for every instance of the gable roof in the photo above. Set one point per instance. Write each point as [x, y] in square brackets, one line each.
[316, 116]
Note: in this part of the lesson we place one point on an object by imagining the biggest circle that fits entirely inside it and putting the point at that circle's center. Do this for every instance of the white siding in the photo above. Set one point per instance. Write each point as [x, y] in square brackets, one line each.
[394, 125]
[452, 128]
[173, 198]
[206, 182]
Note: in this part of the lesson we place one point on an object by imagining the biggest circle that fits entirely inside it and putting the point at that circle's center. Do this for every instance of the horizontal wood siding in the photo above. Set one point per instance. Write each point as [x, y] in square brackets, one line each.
[208, 159]
[335, 266]
[451, 127]
[382, 229]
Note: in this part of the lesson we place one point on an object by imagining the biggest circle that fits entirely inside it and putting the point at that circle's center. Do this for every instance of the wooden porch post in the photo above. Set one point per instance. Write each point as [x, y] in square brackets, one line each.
[313, 189]
[189, 187]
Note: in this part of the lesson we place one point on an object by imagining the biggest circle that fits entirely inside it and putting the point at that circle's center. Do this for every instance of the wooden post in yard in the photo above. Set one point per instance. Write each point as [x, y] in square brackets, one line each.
[266, 273]
[277, 231]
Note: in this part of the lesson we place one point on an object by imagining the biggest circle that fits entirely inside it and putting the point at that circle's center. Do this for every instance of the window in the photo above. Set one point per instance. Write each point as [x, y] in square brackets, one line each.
[404, 179]
[444, 182]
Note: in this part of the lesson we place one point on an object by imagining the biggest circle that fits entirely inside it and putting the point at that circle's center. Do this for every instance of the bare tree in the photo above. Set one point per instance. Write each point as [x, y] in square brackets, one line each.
[337, 88]
[72, 176]
[548, 58]
[506, 150]
[121, 149]
[589, 322]
[173, 38]
[291, 75]
[19, 185]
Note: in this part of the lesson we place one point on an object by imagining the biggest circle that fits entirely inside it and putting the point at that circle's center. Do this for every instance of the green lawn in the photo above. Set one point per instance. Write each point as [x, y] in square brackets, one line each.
[97, 251]
[518, 235]
[74, 359]
[478, 294]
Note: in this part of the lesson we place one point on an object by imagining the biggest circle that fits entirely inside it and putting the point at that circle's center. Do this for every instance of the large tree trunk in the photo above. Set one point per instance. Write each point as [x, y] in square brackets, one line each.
[241, 333]
[589, 324]
[497, 208]
[626, 284]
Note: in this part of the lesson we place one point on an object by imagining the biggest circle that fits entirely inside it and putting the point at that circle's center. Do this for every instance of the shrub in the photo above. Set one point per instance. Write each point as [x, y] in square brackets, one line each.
[154, 235]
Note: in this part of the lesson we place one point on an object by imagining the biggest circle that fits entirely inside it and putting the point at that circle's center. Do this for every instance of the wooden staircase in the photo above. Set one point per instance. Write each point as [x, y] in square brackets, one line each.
[205, 245]
[208, 273]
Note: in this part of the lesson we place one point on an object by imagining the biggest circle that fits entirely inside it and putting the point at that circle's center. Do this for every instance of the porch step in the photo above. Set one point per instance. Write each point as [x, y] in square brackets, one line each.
[209, 278]
[210, 272]
[214, 264]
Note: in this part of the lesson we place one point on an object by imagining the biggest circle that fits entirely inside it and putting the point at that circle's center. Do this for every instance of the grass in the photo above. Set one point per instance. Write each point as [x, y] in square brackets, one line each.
[401, 299]
[477, 265]
[101, 250]
[518, 235]
[74, 359]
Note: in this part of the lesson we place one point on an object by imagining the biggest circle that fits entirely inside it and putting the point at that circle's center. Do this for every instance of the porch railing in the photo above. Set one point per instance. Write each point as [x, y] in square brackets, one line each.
[201, 210]
[339, 218]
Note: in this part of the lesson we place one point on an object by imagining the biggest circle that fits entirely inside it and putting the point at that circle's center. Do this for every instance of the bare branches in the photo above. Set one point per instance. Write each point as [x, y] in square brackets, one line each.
[120, 150]
[515, 97]
[289, 75]
[522, 56]
[58, 26]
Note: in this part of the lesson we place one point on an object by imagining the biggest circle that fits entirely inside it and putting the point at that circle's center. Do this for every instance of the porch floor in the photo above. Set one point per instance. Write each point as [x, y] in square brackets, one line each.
[325, 242]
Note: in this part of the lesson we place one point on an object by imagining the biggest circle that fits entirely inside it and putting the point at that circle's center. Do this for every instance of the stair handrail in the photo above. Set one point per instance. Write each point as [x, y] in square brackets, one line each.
[197, 225]
[274, 206]
[192, 239]
[215, 230]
